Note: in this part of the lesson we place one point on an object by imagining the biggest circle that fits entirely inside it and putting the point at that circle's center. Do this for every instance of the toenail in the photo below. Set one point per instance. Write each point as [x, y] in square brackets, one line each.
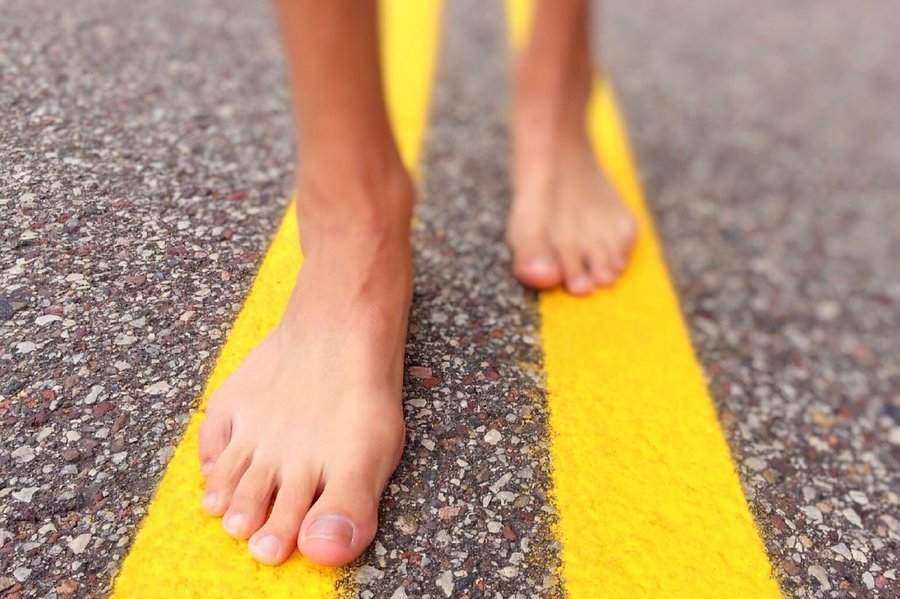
[580, 285]
[331, 528]
[265, 547]
[542, 264]
[234, 523]
[210, 501]
[205, 468]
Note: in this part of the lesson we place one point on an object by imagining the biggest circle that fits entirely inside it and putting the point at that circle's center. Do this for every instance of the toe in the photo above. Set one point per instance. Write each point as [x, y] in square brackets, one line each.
[577, 277]
[276, 540]
[604, 266]
[342, 522]
[224, 477]
[250, 501]
[539, 271]
[215, 433]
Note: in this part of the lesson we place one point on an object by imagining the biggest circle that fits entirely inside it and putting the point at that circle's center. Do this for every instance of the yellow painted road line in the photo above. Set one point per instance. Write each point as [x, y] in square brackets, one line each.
[649, 502]
[179, 550]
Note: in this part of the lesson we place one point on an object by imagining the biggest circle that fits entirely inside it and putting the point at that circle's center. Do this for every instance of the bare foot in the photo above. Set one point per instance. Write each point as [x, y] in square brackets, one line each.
[567, 225]
[570, 228]
[299, 443]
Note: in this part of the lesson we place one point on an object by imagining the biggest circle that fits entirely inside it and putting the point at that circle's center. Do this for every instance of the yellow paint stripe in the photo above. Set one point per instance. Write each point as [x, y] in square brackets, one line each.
[179, 551]
[649, 502]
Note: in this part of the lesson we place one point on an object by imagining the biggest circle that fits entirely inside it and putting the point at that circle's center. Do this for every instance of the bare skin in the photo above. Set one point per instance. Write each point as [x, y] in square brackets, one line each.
[299, 443]
[567, 226]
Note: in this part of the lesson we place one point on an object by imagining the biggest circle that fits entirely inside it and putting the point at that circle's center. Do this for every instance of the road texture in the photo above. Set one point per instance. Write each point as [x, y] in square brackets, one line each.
[145, 160]
[767, 135]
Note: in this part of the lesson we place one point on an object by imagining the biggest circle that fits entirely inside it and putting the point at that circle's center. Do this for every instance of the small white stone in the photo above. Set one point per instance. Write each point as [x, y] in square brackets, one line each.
[25, 494]
[852, 517]
[123, 339]
[842, 550]
[509, 572]
[445, 582]
[46, 319]
[366, 574]
[868, 580]
[21, 573]
[492, 437]
[859, 497]
[400, 593]
[813, 513]
[118, 458]
[755, 464]
[894, 436]
[428, 444]
[23, 454]
[494, 527]
[158, 388]
[819, 573]
[79, 543]
[73, 436]
[25, 347]
[94, 394]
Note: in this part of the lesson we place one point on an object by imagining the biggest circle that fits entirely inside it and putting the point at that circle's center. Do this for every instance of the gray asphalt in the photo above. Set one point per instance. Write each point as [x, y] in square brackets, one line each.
[145, 161]
[768, 137]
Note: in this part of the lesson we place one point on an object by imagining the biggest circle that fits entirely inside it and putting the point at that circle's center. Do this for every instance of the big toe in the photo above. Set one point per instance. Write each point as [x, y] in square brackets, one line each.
[534, 262]
[341, 523]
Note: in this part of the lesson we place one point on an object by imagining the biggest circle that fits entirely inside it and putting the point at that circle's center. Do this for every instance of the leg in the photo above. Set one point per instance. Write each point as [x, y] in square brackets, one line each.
[567, 226]
[299, 443]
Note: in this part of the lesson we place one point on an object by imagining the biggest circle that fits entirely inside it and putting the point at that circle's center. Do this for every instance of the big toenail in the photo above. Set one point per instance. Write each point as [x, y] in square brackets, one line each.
[234, 523]
[331, 528]
[210, 501]
[205, 468]
[541, 264]
[265, 547]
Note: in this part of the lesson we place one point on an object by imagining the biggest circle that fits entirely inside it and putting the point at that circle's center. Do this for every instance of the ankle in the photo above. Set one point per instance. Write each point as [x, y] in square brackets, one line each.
[365, 200]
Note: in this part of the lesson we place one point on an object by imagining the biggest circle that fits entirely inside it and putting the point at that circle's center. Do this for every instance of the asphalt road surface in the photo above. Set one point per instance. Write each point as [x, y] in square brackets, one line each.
[145, 160]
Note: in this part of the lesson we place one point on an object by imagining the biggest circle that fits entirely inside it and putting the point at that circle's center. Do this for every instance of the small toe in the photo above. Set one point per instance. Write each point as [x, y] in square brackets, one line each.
[224, 477]
[603, 271]
[277, 539]
[215, 432]
[578, 278]
[341, 523]
[250, 501]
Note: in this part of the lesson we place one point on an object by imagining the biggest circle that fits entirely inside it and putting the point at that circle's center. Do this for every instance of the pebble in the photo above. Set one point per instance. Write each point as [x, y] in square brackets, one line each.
[852, 517]
[445, 582]
[868, 580]
[78, 544]
[25, 494]
[25, 347]
[366, 574]
[46, 319]
[755, 464]
[93, 394]
[859, 497]
[492, 437]
[23, 454]
[400, 593]
[819, 573]
[21, 573]
[509, 572]
[158, 388]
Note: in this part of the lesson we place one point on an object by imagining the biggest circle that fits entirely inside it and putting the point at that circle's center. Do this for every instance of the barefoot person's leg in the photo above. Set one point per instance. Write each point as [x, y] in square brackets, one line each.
[298, 444]
[567, 226]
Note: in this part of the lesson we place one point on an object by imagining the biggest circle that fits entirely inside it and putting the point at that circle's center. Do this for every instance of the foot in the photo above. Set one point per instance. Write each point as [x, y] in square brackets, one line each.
[567, 225]
[300, 441]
